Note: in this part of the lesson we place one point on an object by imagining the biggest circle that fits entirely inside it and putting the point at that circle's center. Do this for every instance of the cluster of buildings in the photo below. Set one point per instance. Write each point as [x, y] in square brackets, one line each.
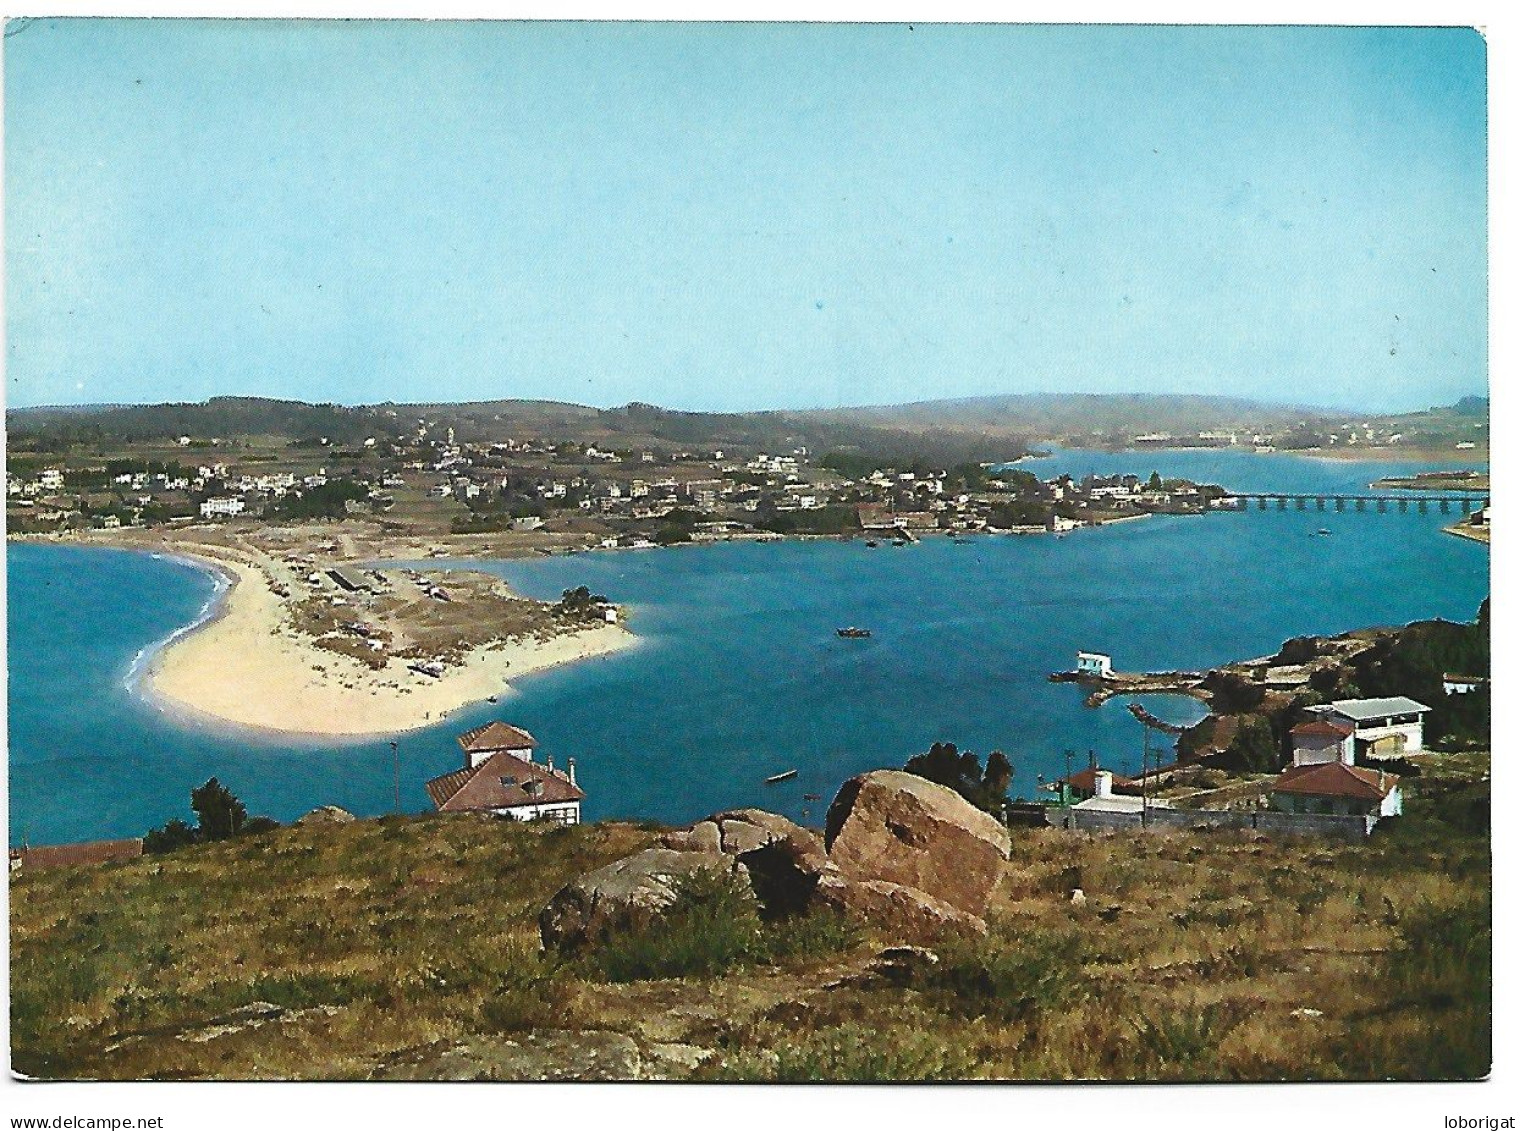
[1337, 766]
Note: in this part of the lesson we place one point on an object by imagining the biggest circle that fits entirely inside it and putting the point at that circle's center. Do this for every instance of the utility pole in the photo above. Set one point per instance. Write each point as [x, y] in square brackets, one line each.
[1064, 786]
[1144, 767]
[396, 781]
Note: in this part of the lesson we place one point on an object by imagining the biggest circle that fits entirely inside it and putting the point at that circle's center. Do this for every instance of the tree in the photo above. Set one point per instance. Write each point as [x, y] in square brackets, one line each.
[1154, 481]
[175, 834]
[219, 814]
[985, 787]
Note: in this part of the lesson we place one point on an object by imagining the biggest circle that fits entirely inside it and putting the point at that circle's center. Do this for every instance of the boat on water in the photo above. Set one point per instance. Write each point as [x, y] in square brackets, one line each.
[871, 544]
[854, 633]
[776, 778]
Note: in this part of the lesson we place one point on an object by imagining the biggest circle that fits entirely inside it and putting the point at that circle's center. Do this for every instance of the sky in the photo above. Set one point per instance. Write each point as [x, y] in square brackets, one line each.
[741, 217]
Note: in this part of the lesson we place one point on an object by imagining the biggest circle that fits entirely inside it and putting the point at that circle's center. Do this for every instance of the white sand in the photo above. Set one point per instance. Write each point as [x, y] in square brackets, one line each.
[244, 666]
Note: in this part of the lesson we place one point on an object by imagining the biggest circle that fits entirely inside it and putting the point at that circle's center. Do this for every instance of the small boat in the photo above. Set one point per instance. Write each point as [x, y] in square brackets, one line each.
[776, 778]
[871, 544]
[1322, 532]
[854, 633]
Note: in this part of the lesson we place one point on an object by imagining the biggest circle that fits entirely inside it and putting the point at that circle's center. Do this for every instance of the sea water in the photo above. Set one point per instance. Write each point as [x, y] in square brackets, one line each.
[739, 674]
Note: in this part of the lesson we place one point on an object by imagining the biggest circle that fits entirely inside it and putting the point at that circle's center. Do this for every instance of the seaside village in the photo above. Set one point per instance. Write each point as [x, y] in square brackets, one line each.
[605, 497]
[1343, 770]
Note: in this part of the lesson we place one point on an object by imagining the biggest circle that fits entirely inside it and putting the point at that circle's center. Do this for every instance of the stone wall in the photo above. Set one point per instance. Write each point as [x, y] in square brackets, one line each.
[1162, 820]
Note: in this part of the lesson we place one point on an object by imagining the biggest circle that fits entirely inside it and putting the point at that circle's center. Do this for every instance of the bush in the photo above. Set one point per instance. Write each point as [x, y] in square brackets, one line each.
[1006, 980]
[815, 934]
[712, 925]
[856, 1052]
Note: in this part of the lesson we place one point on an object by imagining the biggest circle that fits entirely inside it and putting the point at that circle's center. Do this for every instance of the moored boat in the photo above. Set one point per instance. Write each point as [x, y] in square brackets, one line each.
[854, 633]
[776, 778]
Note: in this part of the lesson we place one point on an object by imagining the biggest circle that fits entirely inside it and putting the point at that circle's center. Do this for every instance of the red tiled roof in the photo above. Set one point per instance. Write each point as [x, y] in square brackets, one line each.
[499, 783]
[495, 736]
[1323, 728]
[91, 852]
[1335, 779]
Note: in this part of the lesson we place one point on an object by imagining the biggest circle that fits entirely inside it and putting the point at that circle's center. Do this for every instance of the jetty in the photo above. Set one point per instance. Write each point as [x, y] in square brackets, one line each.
[1104, 687]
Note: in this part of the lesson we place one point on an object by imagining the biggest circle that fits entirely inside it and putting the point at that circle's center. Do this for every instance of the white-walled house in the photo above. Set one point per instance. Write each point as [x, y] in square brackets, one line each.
[1384, 728]
[1323, 740]
[222, 507]
[501, 777]
[1462, 684]
[1094, 664]
[1335, 788]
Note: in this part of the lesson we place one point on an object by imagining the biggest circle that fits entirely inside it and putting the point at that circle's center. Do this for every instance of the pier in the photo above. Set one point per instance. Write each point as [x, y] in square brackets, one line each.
[1135, 683]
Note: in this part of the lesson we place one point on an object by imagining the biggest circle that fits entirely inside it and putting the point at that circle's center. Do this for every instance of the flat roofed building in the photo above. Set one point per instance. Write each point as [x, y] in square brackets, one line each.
[1093, 664]
[1384, 728]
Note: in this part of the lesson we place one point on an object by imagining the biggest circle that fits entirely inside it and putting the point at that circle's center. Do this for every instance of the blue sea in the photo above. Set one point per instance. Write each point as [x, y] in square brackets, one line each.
[739, 673]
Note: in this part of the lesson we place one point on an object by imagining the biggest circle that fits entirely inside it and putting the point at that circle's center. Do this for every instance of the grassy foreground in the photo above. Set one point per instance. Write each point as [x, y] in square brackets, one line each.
[390, 947]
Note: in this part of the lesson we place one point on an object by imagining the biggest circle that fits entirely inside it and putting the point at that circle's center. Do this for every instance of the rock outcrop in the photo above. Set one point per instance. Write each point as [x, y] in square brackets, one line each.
[896, 910]
[737, 831]
[326, 815]
[897, 828]
[625, 895]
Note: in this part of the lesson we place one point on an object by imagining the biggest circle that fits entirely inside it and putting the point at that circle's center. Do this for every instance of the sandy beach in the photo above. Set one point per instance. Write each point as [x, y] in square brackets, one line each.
[246, 665]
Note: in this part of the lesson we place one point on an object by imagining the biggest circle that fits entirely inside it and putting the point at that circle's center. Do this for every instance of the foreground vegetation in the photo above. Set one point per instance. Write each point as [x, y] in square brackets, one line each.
[377, 947]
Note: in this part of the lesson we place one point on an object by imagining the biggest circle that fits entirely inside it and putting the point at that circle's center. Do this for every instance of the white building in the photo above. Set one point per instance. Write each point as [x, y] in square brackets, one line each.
[223, 507]
[501, 777]
[1323, 740]
[1094, 664]
[1462, 684]
[1383, 728]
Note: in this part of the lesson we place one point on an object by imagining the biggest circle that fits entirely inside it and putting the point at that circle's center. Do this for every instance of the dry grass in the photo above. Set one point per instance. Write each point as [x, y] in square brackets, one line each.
[1194, 957]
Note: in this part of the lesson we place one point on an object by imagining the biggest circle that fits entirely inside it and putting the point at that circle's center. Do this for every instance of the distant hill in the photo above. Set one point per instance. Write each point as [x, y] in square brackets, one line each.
[1050, 415]
[946, 431]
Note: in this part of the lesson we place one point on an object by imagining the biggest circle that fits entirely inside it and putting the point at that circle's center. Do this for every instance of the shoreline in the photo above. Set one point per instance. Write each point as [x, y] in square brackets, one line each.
[239, 663]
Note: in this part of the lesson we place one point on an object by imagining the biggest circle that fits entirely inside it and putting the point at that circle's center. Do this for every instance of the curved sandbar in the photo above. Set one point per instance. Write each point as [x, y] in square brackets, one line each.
[245, 665]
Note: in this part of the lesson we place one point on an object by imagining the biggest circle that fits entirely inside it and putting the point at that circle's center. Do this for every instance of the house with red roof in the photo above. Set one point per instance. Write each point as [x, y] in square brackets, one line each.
[1335, 787]
[501, 777]
[1323, 740]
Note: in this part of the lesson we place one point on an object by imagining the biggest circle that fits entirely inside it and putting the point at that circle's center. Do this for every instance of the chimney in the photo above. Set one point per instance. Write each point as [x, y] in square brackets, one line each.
[550, 762]
[572, 770]
[1103, 783]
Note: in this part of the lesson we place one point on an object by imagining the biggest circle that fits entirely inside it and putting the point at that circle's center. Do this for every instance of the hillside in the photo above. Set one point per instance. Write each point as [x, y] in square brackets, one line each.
[406, 948]
[1060, 414]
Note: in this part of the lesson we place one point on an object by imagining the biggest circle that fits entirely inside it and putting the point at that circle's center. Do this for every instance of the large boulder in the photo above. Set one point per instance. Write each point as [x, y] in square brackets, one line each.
[737, 831]
[625, 895]
[902, 829]
[896, 910]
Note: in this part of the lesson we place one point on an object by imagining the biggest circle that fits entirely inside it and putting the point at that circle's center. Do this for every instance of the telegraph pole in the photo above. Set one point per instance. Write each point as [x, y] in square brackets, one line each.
[396, 781]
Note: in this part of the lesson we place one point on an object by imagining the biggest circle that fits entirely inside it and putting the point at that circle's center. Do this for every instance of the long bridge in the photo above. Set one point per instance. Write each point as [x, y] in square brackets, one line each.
[1266, 500]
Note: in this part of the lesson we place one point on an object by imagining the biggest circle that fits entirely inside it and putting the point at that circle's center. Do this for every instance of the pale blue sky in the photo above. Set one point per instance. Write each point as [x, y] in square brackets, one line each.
[730, 217]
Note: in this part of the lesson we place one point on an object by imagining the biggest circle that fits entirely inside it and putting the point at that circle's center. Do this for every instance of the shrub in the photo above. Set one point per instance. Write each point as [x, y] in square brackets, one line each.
[1176, 1038]
[711, 926]
[1008, 981]
[863, 1053]
[815, 934]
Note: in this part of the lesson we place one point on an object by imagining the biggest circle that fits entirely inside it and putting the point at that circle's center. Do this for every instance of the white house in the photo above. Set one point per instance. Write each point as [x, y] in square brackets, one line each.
[1323, 740]
[1335, 788]
[1383, 728]
[1093, 664]
[222, 507]
[1462, 684]
[501, 777]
